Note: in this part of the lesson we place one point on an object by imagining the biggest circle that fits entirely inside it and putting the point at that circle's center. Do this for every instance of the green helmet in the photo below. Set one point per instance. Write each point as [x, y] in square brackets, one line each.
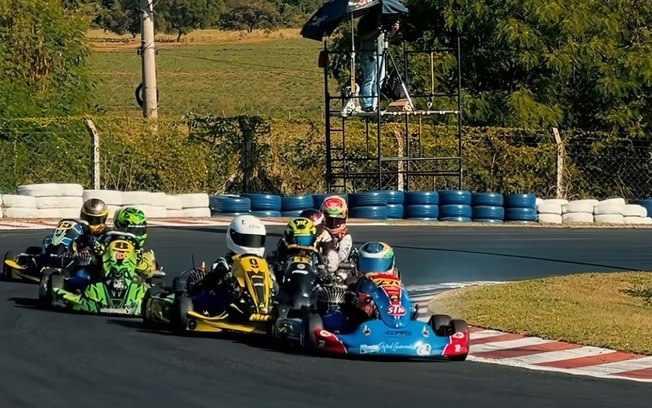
[133, 220]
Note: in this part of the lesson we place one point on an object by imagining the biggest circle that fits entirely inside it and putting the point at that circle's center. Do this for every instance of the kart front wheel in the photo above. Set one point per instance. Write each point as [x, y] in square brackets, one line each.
[180, 307]
[6, 269]
[440, 324]
[459, 325]
[50, 280]
[147, 322]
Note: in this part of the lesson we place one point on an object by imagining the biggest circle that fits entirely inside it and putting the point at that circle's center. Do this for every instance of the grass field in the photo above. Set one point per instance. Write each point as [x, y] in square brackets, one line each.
[612, 310]
[271, 74]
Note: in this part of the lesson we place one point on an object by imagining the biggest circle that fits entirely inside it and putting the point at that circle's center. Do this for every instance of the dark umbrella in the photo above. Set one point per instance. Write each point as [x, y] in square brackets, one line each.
[330, 15]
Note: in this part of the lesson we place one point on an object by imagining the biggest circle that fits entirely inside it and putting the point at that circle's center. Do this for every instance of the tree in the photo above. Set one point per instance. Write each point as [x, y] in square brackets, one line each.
[250, 16]
[183, 16]
[43, 56]
[539, 63]
[119, 16]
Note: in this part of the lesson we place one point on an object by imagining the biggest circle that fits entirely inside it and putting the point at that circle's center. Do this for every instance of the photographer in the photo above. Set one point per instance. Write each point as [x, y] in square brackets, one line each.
[372, 29]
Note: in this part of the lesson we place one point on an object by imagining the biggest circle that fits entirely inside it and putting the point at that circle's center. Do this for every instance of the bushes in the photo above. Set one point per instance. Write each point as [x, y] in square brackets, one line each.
[236, 154]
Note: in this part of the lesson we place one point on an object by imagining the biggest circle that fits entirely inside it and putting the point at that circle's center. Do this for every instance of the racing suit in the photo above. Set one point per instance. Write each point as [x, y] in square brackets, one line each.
[343, 244]
[88, 261]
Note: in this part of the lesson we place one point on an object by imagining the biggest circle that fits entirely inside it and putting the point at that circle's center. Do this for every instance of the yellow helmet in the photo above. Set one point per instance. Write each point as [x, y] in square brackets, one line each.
[300, 231]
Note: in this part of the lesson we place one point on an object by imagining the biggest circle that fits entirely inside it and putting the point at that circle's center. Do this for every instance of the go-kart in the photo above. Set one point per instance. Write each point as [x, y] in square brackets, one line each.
[383, 323]
[56, 252]
[119, 290]
[246, 307]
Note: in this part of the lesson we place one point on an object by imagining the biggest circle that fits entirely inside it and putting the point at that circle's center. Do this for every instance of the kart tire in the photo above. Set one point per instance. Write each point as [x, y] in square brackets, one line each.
[179, 284]
[520, 201]
[396, 197]
[395, 211]
[440, 324]
[147, 322]
[376, 198]
[6, 270]
[487, 200]
[454, 197]
[459, 325]
[180, 307]
[311, 321]
[421, 198]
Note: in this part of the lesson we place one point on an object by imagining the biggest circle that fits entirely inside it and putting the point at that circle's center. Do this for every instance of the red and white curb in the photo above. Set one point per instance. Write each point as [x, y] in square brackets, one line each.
[535, 353]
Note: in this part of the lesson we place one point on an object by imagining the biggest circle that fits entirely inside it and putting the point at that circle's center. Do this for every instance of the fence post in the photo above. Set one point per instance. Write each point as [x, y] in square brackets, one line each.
[561, 193]
[95, 153]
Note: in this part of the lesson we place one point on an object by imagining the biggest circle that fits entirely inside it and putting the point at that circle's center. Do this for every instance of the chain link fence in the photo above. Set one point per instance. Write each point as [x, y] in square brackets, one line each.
[233, 155]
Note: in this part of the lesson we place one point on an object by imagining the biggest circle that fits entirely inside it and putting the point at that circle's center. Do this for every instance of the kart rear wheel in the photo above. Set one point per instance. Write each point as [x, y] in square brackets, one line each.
[6, 270]
[147, 322]
[459, 325]
[180, 307]
[440, 324]
[50, 280]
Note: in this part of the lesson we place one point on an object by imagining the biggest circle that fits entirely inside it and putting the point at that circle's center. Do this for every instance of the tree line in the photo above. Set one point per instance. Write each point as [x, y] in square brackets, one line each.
[183, 16]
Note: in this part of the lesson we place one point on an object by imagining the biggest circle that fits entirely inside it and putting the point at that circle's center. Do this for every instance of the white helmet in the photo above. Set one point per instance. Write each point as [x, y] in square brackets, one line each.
[246, 235]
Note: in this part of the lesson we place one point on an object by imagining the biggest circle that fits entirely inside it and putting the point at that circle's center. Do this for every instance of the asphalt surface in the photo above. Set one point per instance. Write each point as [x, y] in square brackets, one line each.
[51, 359]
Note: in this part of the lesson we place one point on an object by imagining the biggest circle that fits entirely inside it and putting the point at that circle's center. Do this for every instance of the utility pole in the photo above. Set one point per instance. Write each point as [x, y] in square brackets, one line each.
[148, 57]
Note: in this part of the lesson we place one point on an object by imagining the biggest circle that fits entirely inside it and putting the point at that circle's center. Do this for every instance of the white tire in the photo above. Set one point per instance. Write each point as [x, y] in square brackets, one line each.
[58, 213]
[131, 198]
[197, 212]
[579, 206]
[175, 213]
[637, 220]
[194, 200]
[173, 202]
[559, 201]
[550, 218]
[577, 217]
[20, 212]
[549, 208]
[110, 197]
[538, 201]
[112, 210]
[51, 190]
[157, 199]
[158, 212]
[18, 201]
[609, 208]
[1, 213]
[617, 201]
[609, 219]
[635, 210]
[59, 202]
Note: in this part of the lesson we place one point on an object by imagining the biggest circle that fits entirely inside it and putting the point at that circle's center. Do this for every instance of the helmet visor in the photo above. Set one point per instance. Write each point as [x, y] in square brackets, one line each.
[334, 223]
[374, 265]
[248, 240]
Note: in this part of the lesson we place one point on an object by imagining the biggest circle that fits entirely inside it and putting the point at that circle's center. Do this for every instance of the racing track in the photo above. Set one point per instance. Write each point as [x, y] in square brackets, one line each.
[53, 359]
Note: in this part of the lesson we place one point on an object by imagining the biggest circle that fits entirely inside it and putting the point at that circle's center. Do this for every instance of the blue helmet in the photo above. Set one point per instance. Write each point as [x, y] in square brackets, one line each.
[375, 257]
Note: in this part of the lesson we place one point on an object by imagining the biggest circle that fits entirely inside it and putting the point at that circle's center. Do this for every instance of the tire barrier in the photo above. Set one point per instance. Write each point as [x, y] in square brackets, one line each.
[520, 207]
[229, 204]
[456, 219]
[369, 199]
[266, 213]
[296, 203]
[291, 214]
[487, 200]
[421, 198]
[460, 197]
[395, 197]
[426, 212]
[455, 212]
[264, 202]
[484, 213]
[372, 212]
[395, 211]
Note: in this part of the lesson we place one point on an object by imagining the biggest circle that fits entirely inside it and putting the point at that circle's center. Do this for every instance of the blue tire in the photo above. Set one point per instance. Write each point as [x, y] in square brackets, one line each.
[395, 211]
[375, 212]
[368, 199]
[455, 210]
[456, 219]
[488, 221]
[292, 203]
[421, 198]
[229, 204]
[422, 211]
[395, 197]
[318, 199]
[520, 201]
[264, 202]
[520, 214]
[487, 199]
[647, 203]
[291, 214]
[485, 212]
[266, 213]
[461, 197]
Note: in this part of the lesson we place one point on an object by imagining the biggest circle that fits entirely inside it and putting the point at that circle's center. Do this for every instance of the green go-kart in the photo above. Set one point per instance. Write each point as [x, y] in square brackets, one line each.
[119, 290]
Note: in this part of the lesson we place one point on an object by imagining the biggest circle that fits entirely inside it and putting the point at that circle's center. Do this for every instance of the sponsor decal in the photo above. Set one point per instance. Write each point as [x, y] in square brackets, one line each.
[369, 349]
[126, 310]
[458, 348]
[388, 283]
[301, 266]
[384, 347]
[396, 310]
[321, 344]
[458, 335]
[398, 333]
[120, 256]
[425, 332]
[423, 350]
[325, 333]
[366, 330]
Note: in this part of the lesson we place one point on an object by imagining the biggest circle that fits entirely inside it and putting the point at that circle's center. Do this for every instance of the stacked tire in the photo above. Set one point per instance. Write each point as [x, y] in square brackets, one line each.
[421, 205]
[550, 211]
[521, 208]
[369, 205]
[647, 205]
[609, 211]
[264, 205]
[195, 205]
[292, 206]
[229, 205]
[19, 206]
[138, 199]
[578, 211]
[455, 205]
[48, 200]
[487, 207]
[395, 208]
[173, 206]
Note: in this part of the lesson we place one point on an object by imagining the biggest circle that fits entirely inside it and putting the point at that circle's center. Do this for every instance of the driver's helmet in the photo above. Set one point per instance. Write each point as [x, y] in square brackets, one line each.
[95, 212]
[335, 213]
[317, 218]
[375, 257]
[300, 231]
[132, 220]
[246, 234]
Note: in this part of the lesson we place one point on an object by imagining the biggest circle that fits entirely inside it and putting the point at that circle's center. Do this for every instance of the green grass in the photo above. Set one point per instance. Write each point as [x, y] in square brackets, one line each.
[611, 310]
[271, 77]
